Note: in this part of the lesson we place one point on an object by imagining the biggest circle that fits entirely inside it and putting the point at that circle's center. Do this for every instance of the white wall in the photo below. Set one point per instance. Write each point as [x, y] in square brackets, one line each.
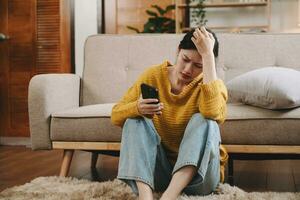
[85, 25]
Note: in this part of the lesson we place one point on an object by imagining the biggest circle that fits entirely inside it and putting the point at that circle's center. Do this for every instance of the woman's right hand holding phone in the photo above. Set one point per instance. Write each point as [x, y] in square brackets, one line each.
[149, 107]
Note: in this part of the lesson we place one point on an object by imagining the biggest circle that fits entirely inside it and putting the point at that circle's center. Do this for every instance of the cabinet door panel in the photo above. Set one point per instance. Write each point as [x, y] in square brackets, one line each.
[38, 42]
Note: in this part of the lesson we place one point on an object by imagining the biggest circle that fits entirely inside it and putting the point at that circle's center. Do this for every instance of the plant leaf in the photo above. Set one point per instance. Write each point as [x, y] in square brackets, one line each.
[151, 13]
[159, 9]
[170, 7]
[149, 27]
[134, 29]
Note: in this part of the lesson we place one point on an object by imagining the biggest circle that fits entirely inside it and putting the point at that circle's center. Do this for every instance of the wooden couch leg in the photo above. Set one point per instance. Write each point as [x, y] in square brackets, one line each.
[95, 175]
[94, 160]
[66, 162]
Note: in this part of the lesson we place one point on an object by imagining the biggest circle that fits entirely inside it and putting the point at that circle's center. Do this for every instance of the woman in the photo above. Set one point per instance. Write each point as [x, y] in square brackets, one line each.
[174, 146]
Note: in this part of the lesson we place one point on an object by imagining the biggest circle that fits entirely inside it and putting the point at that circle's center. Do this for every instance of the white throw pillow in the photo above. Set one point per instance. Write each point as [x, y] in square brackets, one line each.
[270, 87]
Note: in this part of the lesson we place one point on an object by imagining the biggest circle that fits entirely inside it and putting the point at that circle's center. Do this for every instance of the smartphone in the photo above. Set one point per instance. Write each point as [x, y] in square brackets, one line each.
[149, 92]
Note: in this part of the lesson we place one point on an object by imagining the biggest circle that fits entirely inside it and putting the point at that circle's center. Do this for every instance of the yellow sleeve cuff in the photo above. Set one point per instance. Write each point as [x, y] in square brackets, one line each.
[211, 89]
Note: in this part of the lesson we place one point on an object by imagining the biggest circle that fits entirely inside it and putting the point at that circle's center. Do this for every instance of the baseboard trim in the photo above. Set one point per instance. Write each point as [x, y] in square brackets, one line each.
[15, 141]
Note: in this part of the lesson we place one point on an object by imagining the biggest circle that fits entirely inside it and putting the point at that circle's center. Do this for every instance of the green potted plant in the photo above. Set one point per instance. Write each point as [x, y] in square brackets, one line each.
[158, 22]
[198, 13]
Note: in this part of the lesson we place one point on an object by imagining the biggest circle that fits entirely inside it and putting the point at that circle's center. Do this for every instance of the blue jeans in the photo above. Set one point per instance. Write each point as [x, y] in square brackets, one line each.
[143, 158]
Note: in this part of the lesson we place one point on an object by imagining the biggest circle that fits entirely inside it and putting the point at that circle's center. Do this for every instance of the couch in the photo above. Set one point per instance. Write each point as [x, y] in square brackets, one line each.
[70, 112]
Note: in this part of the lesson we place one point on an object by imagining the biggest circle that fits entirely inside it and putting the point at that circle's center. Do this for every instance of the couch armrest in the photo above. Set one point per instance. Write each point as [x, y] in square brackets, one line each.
[49, 93]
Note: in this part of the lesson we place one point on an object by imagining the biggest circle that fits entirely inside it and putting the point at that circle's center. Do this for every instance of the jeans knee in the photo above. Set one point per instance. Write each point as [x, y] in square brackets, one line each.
[198, 117]
[139, 128]
[207, 127]
[130, 121]
[134, 125]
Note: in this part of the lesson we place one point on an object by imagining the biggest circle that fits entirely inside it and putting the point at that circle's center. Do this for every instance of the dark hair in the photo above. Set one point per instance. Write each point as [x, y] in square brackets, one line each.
[187, 43]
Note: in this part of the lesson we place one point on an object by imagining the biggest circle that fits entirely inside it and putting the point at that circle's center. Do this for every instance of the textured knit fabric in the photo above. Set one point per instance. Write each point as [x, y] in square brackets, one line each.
[208, 99]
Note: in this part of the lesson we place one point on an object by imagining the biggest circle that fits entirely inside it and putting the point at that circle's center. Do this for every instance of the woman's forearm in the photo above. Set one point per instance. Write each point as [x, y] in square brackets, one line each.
[209, 68]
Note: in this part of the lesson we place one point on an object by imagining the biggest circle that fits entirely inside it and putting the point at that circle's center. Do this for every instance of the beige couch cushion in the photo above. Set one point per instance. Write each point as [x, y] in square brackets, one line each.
[97, 110]
[239, 111]
[244, 125]
[241, 53]
[86, 123]
[253, 125]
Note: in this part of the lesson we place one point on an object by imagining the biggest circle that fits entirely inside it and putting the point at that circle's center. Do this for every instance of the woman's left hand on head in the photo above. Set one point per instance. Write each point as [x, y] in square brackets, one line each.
[204, 41]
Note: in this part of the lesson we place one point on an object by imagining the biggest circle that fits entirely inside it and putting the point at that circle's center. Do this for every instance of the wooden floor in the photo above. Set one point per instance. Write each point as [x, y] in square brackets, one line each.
[19, 165]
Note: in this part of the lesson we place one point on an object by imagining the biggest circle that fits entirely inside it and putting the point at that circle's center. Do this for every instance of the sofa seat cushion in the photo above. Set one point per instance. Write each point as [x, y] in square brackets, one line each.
[86, 123]
[252, 125]
[244, 125]
[97, 110]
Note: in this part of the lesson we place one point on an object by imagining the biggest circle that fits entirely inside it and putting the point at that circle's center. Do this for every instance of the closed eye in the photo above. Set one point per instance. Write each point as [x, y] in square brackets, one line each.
[186, 59]
[198, 65]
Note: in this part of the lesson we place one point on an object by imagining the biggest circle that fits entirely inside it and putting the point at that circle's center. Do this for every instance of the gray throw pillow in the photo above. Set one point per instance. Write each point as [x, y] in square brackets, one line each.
[270, 87]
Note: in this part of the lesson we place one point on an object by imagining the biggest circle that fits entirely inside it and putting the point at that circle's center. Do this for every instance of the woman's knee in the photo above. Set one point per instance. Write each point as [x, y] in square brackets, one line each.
[130, 121]
[139, 122]
[199, 117]
[139, 129]
[199, 121]
[134, 125]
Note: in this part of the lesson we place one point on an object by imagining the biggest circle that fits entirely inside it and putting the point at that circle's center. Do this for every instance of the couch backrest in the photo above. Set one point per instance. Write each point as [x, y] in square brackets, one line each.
[113, 62]
[240, 53]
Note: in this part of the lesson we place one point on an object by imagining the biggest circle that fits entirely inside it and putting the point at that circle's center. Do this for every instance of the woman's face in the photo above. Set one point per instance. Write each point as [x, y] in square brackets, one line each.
[188, 65]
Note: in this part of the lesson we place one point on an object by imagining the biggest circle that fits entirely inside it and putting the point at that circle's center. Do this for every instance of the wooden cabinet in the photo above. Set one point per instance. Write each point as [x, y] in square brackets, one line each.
[52, 36]
[182, 6]
[39, 42]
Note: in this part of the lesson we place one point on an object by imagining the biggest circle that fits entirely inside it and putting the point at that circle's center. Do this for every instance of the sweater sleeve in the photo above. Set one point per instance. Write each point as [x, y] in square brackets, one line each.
[213, 97]
[127, 106]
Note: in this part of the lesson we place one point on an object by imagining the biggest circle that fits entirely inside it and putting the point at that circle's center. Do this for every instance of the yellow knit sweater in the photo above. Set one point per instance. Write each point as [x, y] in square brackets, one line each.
[208, 99]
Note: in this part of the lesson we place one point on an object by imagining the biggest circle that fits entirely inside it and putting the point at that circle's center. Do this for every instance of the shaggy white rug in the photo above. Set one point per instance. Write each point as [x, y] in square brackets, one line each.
[57, 188]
